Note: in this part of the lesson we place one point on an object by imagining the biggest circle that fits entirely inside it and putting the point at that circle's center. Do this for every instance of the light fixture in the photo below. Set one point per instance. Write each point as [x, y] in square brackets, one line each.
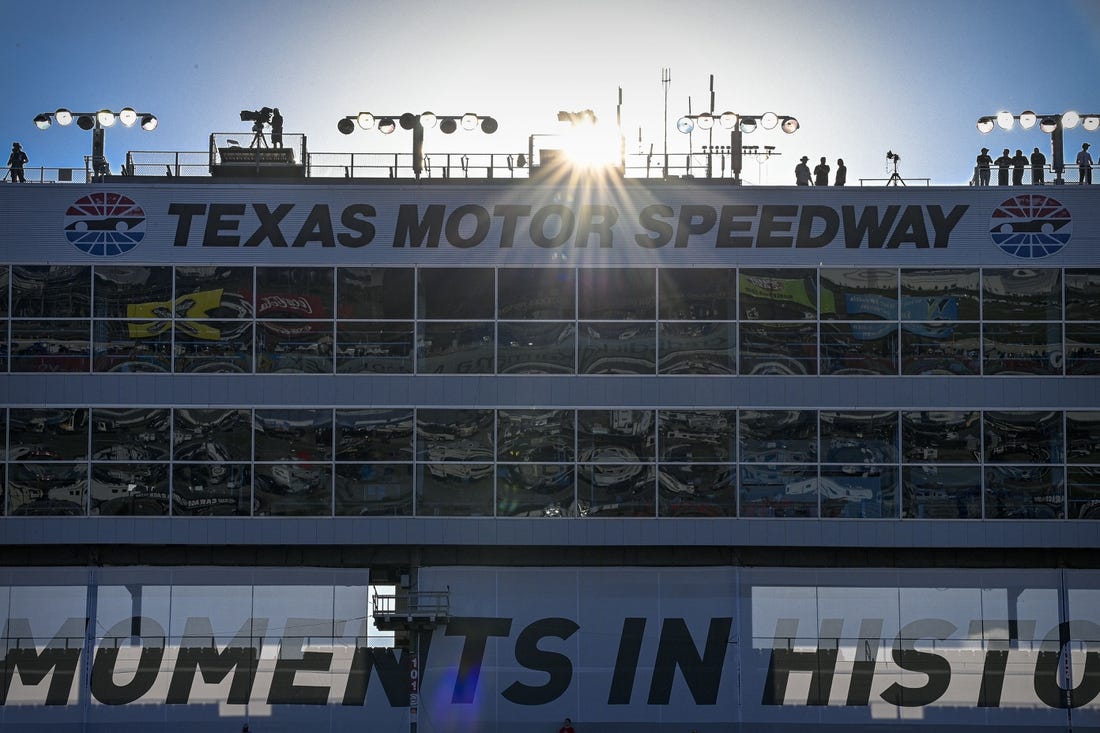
[42, 122]
[488, 125]
[407, 121]
[790, 125]
[365, 120]
[149, 122]
[428, 120]
[685, 125]
[1027, 119]
[748, 124]
[1070, 120]
[345, 126]
[105, 117]
[127, 116]
[63, 117]
[705, 121]
[985, 125]
[728, 120]
[85, 121]
[1091, 122]
[1005, 120]
[469, 121]
[1048, 124]
[769, 120]
[386, 125]
[448, 125]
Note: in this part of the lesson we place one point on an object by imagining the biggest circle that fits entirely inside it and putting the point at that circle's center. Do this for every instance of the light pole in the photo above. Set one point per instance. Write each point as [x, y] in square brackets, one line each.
[1051, 124]
[97, 122]
[737, 124]
[417, 123]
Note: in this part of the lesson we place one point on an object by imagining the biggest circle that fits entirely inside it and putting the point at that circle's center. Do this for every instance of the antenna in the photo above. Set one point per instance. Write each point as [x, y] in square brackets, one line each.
[666, 79]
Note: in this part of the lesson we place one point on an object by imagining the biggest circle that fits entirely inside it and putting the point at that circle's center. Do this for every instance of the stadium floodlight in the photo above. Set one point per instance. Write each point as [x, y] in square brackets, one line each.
[790, 125]
[737, 124]
[1091, 122]
[769, 120]
[63, 117]
[1071, 120]
[365, 120]
[1027, 120]
[105, 117]
[428, 120]
[748, 124]
[985, 125]
[705, 121]
[728, 120]
[149, 122]
[1049, 124]
[127, 116]
[96, 122]
[42, 121]
[469, 121]
[1005, 120]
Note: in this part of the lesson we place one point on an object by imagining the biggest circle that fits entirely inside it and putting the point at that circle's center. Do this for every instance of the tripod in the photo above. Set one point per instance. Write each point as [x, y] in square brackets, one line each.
[895, 179]
[258, 138]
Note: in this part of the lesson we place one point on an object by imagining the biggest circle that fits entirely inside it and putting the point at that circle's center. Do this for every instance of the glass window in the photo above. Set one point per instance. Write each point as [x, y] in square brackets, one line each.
[374, 489]
[130, 434]
[214, 347]
[1022, 294]
[51, 291]
[777, 294]
[939, 295]
[859, 436]
[375, 292]
[778, 348]
[532, 436]
[697, 294]
[1023, 437]
[454, 489]
[617, 348]
[859, 348]
[216, 435]
[536, 490]
[1084, 492]
[1083, 294]
[132, 346]
[5, 280]
[380, 434]
[1025, 492]
[941, 436]
[294, 292]
[617, 294]
[294, 346]
[697, 348]
[211, 489]
[454, 435]
[50, 346]
[697, 490]
[1083, 436]
[1022, 348]
[456, 292]
[213, 292]
[293, 489]
[942, 492]
[130, 489]
[859, 295]
[455, 348]
[374, 347]
[698, 436]
[940, 348]
[48, 434]
[536, 348]
[124, 291]
[616, 490]
[293, 434]
[1082, 349]
[47, 489]
[771, 490]
[771, 436]
[859, 492]
[615, 436]
[541, 293]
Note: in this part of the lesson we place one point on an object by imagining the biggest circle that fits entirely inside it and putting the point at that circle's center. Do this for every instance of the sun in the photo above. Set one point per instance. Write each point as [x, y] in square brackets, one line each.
[592, 147]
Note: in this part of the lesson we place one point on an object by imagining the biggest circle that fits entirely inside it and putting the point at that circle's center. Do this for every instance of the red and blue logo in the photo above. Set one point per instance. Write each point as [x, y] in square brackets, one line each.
[1031, 225]
[105, 224]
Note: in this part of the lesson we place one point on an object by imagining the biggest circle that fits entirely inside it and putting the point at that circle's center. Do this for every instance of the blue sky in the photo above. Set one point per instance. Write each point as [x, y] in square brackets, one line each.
[862, 76]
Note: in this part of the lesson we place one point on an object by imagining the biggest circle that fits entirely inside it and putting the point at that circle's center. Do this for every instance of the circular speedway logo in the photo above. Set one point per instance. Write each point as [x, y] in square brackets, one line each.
[105, 224]
[1031, 226]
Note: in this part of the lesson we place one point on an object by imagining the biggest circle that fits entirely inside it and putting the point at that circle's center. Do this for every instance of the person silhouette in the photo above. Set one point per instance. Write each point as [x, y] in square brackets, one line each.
[1084, 164]
[1038, 166]
[1019, 163]
[276, 128]
[821, 173]
[1003, 164]
[802, 173]
[16, 161]
[984, 162]
[841, 172]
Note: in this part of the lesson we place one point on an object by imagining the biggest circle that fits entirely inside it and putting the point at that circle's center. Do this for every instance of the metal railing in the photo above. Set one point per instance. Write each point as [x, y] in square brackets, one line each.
[436, 604]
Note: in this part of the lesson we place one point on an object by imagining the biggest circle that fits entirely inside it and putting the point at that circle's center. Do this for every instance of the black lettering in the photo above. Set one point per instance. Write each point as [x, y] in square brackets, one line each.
[868, 226]
[218, 221]
[269, 225]
[565, 228]
[943, 225]
[454, 226]
[355, 218]
[810, 214]
[771, 224]
[60, 657]
[103, 684]
[1054, 646]
[662, 230]
[910, 229]
[415, 231]
[727, 224]
[511, 214]
[316, 228]
[185, 213]
[239, 656]
[694, 219]
[626, 661]
[863, 668]
[477, 632]
[596, 220]
[821, 663]
[293, 659]
[703, 674]
[393, 673]
[908, 658]
[558, 667]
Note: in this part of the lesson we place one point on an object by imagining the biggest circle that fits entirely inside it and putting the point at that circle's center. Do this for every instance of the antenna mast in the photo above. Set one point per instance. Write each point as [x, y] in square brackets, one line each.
[666, 79]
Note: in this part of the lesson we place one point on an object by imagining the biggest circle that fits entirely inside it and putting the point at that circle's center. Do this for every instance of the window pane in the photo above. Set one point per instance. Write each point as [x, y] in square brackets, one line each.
[1024, 492]
[132, 346]
[130, 489]
[934, 348]
[939, 295]
[50, 346]
[1083, 437]
[133, 292]
[1082, 349]
[454, 489]
[941, 436]
[542, 293]
[48, 434]
[293, 434]
[214, 435]
[213, 292]
[1084, 492]
[697, 490]
[375, 292]
[1082, 295]
[608, 490]
[698, 348]
[454, 435]
[294, 292]
[47, 489]
[857, 295]
[859, 348]
[382, 434]
[1022, 294]
[778, 295]
[535, 435]
[536, 348]
[617, 348]
[778, 491]
[1022, 348]
[617, 294]
[211, 489]
[689, 436]
[1023, 437]
[455, 348]
[51, 291]
[304, 347]
[374, 489]
[374, 347]
[536, 490]
[130, 434]
[456, 292]
[859, 491]
[942, 492]
[697, 294]
[615, 436]
[859, 436]
[771, 436]
[214, 347]
[778, 348]
[293, 489]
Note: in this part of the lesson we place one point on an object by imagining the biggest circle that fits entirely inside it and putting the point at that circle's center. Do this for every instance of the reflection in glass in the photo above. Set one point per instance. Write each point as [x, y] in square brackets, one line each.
[778, 491]
[939, 295]
[299, 434]
[1022, 294]
[697, 490]
[1022, 348]
[455, 348]
[293, 489]
[48, 434]
[213, 347]
[942, 492]
[50, 346]
[1083, 436]
[689, 436]
[773, 436]
[1082, 294]
[941, 436]
[374, 292]
[125, 291]
[531, 436]
[51, 291]
[608, 490]
[616, 348]
[374, 489]
[382, 434]
[211, 489]
[698, 348]
[778, 295]
[859, 436]
[294, 292]
[849, 294]
[130, 434]
[859, 492]
[615, 436]
[130, 489]
[542, 293]
[778, 348]
[859, 348]
[1084, 492]
[3, 489]
[1024, 492]
[378, 347]
[536, 490]
[213, 291]
[294, 346]
[47, 489]
[1023, 437]
[454, 435]
[697, 294]
[456, 292]
[132, 346]
[536, 348]
[212, 434]
[454, 490]
[618, 294]
[1082, 349]
[933, 348]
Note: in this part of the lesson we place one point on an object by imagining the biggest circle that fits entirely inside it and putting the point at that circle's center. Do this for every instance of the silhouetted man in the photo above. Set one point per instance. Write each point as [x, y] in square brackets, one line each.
[16, 161]
[1084, 165]
[1038, 166]
[1019, 163]
[1003, 164]
[984, 162]
[841, 172]
[276, 128]
[566, 727]
[802, 173]
[821, 173]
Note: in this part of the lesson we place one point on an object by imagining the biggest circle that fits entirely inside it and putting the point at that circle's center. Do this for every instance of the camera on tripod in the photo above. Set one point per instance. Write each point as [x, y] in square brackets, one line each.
[890, 154]
[260, 116]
